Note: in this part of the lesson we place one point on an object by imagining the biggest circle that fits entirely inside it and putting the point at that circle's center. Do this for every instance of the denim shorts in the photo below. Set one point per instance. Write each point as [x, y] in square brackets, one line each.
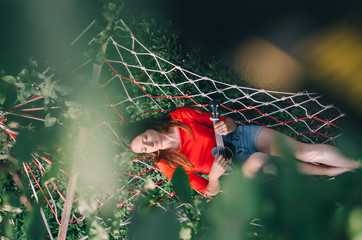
[245, 140]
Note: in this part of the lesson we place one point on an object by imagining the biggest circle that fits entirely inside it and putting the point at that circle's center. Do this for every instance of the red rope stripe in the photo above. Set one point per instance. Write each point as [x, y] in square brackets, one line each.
[42, 172]
[46, 199]
[46, 159]
[29, 100]
[230, 109]
[27, 115]
[76, 220]
[36, 109]
[111, 105]
[148, 95]
[56, 189]
[122, 204]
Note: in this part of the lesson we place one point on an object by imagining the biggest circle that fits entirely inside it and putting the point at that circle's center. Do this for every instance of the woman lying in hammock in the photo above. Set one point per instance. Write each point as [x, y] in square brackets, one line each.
[186, 137]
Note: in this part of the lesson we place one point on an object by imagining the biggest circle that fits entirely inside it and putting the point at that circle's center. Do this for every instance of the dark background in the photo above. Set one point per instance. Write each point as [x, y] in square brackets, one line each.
[221, 25]
[41, 28]
[47, 27]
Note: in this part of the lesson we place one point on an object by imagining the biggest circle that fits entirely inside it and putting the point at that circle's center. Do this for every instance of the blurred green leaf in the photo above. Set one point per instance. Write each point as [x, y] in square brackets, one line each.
[49, 121]
[355, 224]
[185, 233]
[8, 93]
[154, 224]
[34, 225]
[6, 228]
[96, 231]
[181, 185]
[87, 205]
[29, 141]
[350, 140]
[231, 212]
[11, 199]
[107, 211]
[9, 79]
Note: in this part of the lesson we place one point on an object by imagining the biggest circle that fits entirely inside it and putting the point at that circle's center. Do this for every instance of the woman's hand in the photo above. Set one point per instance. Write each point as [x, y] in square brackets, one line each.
[225, 127]
[218, 168]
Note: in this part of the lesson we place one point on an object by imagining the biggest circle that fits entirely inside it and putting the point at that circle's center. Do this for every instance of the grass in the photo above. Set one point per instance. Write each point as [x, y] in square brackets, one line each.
[289, 206]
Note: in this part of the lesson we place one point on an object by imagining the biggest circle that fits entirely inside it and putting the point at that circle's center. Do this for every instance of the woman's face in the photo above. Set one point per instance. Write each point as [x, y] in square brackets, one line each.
[148, 142]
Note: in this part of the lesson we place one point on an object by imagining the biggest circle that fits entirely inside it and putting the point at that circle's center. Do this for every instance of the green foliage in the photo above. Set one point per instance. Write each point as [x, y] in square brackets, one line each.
[181, 185]
[289, 206]
[244, 200]
[33, 137]
[8, 93]
[350, 140]
[147, 221]
[31, 225]
[355, 224]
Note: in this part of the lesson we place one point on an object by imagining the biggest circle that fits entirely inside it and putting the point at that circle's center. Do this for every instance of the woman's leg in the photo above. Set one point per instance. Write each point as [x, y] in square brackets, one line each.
[312, 169]
[255, 162]
[325, 154]
[258, 160]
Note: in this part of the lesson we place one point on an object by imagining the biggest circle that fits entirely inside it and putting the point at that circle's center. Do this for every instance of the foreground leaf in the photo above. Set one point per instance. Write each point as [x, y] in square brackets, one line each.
[181, 185]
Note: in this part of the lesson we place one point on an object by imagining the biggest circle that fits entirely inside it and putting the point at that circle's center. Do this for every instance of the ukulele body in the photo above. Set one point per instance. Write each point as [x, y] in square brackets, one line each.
[225, 151]
[220, 149]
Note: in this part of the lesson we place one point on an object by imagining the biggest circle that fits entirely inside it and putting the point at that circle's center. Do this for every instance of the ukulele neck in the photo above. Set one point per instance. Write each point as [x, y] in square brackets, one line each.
[218, 137]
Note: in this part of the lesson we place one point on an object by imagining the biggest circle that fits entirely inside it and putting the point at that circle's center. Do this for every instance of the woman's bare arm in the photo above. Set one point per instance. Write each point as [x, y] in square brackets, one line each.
[217, 169]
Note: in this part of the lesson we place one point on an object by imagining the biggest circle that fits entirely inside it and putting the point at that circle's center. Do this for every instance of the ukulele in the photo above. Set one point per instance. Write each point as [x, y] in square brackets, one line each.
[220, 149]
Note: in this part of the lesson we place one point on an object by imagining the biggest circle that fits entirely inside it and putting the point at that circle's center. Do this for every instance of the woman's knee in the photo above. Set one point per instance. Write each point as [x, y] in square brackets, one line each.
[254, 163]
[310, 152]
[271, 142]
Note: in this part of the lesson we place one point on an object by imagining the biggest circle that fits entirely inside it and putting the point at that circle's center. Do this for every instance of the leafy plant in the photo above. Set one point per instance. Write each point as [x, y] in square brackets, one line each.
[289, 206]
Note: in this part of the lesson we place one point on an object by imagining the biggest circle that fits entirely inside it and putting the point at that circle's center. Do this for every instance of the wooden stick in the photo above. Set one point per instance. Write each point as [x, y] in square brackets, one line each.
[71, 186]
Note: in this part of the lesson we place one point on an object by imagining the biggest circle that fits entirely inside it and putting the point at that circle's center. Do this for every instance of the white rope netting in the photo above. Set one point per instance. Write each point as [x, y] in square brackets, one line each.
[147, 83]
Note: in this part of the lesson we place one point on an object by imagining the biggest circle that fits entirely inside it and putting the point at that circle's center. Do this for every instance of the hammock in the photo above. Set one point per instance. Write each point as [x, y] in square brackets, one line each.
[136, 83]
